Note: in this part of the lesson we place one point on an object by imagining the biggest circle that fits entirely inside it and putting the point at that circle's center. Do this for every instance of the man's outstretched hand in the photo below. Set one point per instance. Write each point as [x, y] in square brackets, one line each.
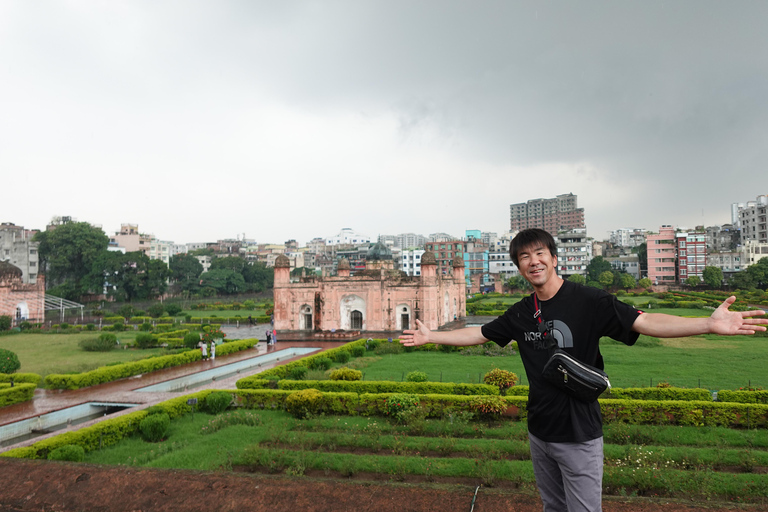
[414, 338]
[725, 321]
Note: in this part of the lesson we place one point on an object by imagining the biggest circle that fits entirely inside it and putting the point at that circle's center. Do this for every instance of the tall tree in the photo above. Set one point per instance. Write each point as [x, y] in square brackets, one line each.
[596, 267]
[67, 254]
[258, 276]
[185, 267]
[130, 276]
[713, 277]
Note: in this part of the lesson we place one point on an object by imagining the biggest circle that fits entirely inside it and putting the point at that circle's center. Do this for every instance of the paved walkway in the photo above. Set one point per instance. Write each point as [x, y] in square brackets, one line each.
[123, 391]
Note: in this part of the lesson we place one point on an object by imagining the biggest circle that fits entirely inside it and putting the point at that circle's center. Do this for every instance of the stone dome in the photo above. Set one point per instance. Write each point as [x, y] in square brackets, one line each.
[282, 261]
[428, 258]
[458, 261]
[9, 270]
[379, 252]
[343, 264]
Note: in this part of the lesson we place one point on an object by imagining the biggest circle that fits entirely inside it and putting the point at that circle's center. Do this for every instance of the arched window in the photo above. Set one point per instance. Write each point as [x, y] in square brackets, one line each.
[306, 317]
[356, 319]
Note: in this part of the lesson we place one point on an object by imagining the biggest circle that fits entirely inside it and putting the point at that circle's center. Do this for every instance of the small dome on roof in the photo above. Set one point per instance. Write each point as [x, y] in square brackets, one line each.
[282, 261]
[343, 264]
[8, 269]
[379, 252]
[428, 258]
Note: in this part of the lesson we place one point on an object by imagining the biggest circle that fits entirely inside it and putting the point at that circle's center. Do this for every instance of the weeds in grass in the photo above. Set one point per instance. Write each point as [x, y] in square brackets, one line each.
[158, 450]
[231, 418]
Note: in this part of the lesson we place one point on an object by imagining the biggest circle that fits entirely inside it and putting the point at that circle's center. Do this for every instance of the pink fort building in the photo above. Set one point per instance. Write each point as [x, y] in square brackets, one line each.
[379, 298]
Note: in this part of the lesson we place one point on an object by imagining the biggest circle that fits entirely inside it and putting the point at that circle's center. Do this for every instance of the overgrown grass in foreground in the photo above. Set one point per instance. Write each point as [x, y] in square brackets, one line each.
[699, 463]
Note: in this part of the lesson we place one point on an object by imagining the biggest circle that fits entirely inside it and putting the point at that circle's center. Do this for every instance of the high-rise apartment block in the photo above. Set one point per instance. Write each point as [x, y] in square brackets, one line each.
[752, 220]
[691, 254]
[18, 249]
[552, 215]
[661, 256]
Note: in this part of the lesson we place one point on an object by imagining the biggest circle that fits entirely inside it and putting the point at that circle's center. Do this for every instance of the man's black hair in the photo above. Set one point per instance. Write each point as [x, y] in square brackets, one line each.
[533, 237]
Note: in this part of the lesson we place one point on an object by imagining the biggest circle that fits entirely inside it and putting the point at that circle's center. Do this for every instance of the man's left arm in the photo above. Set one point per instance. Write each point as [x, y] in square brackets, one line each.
[722, 321]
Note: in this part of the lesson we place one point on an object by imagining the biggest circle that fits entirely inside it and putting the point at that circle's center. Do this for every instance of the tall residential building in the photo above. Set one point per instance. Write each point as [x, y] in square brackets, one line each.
[552, 215]
[752, 221]
[628, 237]
[445, 251]
[410, 240]
[725, 238]
[18, 249]
[349, 237]
[411, 261]
[661, 256]
[691, 254]
[574, 252]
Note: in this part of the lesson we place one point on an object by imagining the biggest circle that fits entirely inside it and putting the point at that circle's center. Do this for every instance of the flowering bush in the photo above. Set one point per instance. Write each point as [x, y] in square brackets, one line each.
[399, 404]
[212, 334]
[488, 406]
[501, 378]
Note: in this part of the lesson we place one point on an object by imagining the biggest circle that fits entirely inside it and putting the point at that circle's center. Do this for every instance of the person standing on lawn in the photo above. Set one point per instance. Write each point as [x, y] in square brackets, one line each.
[565, 434]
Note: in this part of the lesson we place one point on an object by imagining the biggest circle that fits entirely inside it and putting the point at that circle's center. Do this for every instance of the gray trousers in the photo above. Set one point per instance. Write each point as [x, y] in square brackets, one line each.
[569, 475]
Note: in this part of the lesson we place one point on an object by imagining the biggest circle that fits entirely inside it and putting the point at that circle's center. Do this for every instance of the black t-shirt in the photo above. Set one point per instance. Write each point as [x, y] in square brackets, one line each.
[579, 316]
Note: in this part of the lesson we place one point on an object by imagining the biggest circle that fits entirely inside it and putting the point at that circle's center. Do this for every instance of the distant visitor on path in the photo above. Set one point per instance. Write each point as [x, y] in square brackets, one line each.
[204, 350]
[213, 350]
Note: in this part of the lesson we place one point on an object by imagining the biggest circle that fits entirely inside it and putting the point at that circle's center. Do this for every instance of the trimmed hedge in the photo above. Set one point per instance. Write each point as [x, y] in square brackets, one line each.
[19, 378]
[368, 386]
[16, 394]
[744, 397]
[659, 394]
[120, 371]
[697, 413]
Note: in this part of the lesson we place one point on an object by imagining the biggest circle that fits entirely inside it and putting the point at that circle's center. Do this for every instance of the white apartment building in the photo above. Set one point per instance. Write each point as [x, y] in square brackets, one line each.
[348, 237]
[410, 261]
[574, 252]
[160, 250]
[17, 248]
[752, 221]
[628, 237]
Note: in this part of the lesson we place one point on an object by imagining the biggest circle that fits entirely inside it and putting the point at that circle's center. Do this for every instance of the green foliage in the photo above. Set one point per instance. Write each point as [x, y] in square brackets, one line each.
[218, 402]
[68, 254]
[693, 281]
[606, 278]
[18, 393]
[5, 322]
[645, 283]
[320, 363]
[191, 339]
[304, 403]
[713, 277]
[578, 279]
[488, 407]
[173, 309]
[9, 361]
[345, 373]
[357, 351]
[341, 357]
[597, 267]
[156, 310]
[229, 419]
[298, 373]
[502, 379]
[68, 452]
[104, 343]
[144, 340]
[154, 427]
[131, 275]
[416, 377]
[399, 404]
[627, 281]
[146, 327]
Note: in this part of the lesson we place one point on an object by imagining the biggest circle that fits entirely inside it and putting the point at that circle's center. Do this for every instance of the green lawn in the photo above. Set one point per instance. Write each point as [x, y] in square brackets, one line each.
[60, 353]
[712, 362]
[224, 314]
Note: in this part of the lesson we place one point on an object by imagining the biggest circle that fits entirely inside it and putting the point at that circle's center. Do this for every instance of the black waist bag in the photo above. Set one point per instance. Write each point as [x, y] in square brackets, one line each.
[574, 378]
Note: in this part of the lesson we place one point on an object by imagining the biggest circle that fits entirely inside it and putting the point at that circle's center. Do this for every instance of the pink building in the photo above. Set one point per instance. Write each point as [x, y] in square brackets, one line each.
[661, 257]
[379, 298]
[18, 300]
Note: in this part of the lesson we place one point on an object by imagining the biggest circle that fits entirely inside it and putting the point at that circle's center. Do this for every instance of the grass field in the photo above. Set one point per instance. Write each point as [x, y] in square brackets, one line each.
[224, 314]
[712, 362]
[60, 353]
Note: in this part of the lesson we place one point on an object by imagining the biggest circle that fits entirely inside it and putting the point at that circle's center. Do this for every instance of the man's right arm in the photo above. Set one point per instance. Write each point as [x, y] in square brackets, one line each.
[459, 337]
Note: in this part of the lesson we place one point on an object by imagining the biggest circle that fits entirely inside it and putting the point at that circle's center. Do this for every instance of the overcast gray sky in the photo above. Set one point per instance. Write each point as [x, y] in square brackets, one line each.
[205, 120]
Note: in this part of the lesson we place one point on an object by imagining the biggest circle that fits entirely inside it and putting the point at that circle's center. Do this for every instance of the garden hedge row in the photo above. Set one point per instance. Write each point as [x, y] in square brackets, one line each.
[19, 378]
[119, 371]
[16, 394]
[361, 387]
[745, 397]
[105, 433]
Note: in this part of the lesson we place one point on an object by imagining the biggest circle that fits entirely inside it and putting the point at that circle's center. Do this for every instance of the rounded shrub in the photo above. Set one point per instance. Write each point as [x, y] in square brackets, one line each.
[5, 322]
[342, 356]
[144, 340]
[399, 405]
[503, 379]
[118, 326]
[217, 402]
[90, 327]
[9, 361]
[416, 377]
[191, 339]
[173, 309]
[68, 452]
[357, 351]
[488, 406]
[145, 327]
[104, 343]
[154, 427]
[372, 344]
[304, 403]
[156, 310]
[320, 363]
[345, 373]
[298, 373]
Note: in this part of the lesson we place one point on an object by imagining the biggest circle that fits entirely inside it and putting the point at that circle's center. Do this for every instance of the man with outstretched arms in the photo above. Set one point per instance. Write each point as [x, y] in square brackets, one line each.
[565, 434]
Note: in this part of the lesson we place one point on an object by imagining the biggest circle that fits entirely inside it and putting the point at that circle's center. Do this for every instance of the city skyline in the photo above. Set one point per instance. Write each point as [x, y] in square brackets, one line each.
[199, 121]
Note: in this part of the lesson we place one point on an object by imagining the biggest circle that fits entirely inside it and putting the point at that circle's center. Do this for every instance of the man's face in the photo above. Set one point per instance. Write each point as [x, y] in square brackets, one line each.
[537, 265]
